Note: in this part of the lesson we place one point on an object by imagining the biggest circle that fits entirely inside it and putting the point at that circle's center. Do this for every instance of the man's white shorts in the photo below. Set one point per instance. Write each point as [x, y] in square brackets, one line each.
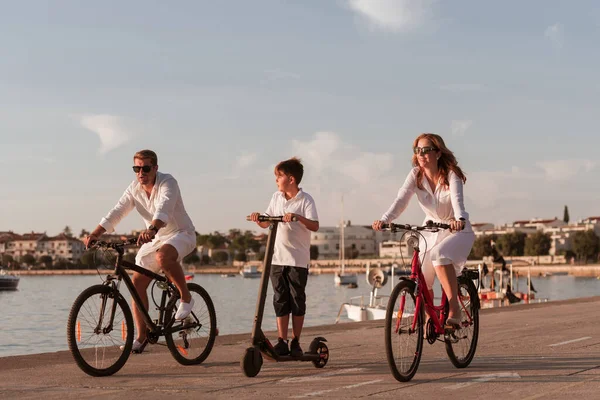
[184, 243]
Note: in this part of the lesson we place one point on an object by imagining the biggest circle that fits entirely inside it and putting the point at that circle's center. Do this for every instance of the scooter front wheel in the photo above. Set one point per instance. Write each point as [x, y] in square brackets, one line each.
[321, 349]
[251, 362]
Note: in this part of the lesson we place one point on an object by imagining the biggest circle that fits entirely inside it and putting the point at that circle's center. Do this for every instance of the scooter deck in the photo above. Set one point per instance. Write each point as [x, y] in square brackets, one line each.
[303, 357]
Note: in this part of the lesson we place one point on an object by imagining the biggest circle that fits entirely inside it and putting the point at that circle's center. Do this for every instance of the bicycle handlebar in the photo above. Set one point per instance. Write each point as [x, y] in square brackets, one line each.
[112, 245]
[429, 225]
[267, 218]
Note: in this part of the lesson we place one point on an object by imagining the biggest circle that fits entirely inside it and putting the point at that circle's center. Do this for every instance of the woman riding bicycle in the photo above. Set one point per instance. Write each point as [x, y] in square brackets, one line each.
[438, 182]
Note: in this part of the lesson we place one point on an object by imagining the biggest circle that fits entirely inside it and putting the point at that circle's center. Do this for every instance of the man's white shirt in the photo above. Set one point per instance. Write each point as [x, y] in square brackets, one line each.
[164, 204]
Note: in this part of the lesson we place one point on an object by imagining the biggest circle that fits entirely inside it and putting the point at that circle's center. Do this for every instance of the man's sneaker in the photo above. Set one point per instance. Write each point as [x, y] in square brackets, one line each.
[184, 310]
[281, 348]
[137, 347]
[295, 349]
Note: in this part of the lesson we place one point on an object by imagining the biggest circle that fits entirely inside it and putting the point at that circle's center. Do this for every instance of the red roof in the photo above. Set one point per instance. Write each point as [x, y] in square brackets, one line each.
[31, 236]
[61, 236]
[536, 221]
[593, 218]
[544, 221]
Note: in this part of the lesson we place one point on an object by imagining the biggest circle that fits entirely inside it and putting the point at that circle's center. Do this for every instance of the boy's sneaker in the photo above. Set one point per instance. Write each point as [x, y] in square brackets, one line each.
[281, 348]
[295, 349]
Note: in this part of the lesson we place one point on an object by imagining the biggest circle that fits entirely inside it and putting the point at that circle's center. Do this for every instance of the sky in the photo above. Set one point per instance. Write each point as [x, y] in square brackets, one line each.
[223, 91]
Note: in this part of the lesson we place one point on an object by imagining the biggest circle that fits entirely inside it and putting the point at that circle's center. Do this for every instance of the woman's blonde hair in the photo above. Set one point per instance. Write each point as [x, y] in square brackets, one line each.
[446, 163]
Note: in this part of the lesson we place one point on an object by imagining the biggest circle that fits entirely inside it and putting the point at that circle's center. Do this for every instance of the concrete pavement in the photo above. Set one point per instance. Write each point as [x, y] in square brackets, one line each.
[537, 351]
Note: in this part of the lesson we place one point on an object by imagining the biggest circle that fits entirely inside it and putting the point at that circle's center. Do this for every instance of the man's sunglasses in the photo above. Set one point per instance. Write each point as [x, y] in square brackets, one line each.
[424, 150]
[145, 168]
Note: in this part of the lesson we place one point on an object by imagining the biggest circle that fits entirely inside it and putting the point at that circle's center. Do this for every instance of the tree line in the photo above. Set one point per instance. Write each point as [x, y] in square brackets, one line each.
[585, 245]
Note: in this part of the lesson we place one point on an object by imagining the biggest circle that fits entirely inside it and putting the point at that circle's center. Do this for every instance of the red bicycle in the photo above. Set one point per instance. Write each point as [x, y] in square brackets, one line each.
[405, 327]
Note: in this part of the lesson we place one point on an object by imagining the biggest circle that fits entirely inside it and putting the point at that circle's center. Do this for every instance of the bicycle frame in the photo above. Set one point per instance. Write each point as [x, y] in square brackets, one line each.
[159, 327]
[424, 297]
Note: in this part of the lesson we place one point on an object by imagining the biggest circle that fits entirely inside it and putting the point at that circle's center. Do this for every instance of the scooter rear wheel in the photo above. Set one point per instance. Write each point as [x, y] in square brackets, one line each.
[251, 362]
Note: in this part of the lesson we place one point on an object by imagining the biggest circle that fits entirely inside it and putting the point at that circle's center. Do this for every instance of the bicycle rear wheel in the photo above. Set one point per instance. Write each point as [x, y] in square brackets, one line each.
[403, 344]
[193, 344]
[94, 343]
[462, 343]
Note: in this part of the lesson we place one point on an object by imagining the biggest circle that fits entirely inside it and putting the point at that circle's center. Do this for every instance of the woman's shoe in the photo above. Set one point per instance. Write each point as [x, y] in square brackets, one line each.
[453, 323]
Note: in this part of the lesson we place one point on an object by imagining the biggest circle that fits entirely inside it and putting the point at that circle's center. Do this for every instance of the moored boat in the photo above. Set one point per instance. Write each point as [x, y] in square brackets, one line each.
[250, 271]
[8, 281]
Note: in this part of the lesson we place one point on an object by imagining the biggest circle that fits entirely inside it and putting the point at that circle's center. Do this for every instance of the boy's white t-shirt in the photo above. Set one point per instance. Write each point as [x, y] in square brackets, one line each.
[292, 245]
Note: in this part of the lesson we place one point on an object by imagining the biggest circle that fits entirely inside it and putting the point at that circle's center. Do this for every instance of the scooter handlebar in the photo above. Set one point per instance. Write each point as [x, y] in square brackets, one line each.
[267, 218]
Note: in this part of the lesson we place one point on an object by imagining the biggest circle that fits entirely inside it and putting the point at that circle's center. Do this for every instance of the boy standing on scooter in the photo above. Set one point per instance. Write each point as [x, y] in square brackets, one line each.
[291, 257]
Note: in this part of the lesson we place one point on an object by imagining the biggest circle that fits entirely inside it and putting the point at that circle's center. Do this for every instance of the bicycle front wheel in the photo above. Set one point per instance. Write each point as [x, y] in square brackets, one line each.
[99, 347]
[403, 344]
[194, 340]
[462, 343]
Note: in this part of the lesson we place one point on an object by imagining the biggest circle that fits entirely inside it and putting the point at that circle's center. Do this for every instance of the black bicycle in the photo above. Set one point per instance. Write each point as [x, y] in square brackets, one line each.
[100, 326]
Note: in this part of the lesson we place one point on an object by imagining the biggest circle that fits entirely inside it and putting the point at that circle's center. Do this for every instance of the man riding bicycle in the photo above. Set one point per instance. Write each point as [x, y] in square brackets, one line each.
[169, 236]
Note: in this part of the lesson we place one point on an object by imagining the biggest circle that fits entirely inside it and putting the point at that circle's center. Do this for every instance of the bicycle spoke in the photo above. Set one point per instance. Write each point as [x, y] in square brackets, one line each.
[463, 343]
[403, 343]
[99, 352]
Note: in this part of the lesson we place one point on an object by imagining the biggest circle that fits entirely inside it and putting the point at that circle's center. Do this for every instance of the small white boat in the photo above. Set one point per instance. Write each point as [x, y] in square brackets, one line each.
[8, 281]
[250, 271]
[358, 309]
[342, 278]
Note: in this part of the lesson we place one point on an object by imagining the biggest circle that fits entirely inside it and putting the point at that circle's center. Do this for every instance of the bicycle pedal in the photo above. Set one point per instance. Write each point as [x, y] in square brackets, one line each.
[450, 337]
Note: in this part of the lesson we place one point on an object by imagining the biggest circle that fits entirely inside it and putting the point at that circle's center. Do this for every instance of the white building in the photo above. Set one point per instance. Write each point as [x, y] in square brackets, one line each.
[359, 237]
[395, 249]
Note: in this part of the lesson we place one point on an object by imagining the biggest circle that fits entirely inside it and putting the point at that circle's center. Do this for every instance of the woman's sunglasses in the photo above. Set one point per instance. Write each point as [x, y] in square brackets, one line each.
[145, 168]
[424, 150]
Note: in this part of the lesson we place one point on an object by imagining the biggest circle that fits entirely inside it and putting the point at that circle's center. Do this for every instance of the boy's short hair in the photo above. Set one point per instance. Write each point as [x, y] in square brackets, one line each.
[147, 155]
[292, 167]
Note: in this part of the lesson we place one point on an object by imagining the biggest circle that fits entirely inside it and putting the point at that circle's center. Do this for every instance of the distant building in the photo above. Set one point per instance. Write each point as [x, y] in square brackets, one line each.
[482, 226]
[540, 224]
[60, 247]
[359, 237]
[395, 249]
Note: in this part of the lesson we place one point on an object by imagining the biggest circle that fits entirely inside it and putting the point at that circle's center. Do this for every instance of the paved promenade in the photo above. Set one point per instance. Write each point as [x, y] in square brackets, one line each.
[538, 351]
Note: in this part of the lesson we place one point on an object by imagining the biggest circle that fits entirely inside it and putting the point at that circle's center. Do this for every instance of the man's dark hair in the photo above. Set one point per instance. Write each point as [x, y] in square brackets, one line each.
[292, 167]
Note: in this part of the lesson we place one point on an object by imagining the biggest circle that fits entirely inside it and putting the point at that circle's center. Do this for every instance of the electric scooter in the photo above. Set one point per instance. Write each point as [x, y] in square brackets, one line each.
[252, 360]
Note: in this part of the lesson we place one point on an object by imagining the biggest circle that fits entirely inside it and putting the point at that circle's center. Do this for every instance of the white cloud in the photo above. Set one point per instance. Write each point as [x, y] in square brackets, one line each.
[329, 157]
[27, 159]
[562, 170]
[241, 164]
[394, 15]
[556, 35]
[489, 189]
[462, 87]
[540, 190]
[109, 128]
[273, 75]
[245, 160]
[459, 127]
[367, 180]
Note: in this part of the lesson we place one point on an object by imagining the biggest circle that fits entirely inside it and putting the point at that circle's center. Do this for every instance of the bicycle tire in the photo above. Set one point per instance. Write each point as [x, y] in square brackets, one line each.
[463, 361]
[407, 290]
[103, 348]
[203, 311]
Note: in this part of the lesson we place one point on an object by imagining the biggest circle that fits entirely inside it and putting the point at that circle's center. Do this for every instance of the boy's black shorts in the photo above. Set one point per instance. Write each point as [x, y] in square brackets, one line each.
[289, 284]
